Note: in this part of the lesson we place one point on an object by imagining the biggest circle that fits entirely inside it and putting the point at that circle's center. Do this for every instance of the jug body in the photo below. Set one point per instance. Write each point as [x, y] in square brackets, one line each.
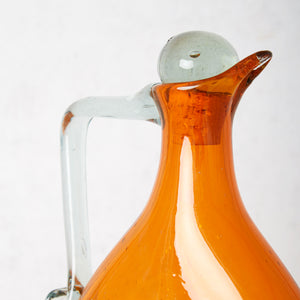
[195, 240]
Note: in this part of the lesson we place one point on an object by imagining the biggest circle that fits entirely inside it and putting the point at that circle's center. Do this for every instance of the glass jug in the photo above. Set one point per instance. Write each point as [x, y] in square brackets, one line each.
[194, 239]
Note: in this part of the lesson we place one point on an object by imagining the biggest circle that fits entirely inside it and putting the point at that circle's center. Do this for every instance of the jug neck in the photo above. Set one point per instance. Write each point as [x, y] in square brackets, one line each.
[197, 159]
[197, 123]
[198, 109]
[206, 167]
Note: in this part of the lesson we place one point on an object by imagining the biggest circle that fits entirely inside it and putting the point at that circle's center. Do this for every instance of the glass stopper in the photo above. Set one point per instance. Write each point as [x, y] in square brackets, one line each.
[195, 55]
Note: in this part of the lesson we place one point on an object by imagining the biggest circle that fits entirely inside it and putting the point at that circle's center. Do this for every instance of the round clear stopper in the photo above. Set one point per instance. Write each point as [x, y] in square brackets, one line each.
[195, 55]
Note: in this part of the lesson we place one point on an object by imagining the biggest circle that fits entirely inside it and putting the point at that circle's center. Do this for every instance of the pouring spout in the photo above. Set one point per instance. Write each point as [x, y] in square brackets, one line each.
[246, 71]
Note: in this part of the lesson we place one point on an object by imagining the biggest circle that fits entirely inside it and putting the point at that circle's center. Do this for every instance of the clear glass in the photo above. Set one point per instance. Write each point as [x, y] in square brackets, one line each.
[73, 155]
[195, 55]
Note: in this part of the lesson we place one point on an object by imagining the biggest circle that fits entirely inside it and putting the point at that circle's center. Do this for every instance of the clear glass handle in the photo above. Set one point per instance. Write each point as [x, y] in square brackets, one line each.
[73, 151]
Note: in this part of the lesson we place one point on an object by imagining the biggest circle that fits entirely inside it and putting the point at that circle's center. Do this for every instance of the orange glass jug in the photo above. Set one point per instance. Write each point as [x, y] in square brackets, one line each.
[194, 240]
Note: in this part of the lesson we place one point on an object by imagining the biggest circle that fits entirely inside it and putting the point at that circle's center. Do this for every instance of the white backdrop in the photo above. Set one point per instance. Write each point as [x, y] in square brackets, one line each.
[54, 52]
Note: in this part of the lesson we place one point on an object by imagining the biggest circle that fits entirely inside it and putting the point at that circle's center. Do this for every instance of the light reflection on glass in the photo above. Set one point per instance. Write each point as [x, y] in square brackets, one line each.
[203, 277]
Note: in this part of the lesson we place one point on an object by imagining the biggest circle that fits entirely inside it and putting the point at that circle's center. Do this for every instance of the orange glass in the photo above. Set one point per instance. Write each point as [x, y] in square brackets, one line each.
[195, 240]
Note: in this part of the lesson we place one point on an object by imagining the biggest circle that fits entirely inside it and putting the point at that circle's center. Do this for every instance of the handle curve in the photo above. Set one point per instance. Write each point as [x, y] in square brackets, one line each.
[73, 152]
